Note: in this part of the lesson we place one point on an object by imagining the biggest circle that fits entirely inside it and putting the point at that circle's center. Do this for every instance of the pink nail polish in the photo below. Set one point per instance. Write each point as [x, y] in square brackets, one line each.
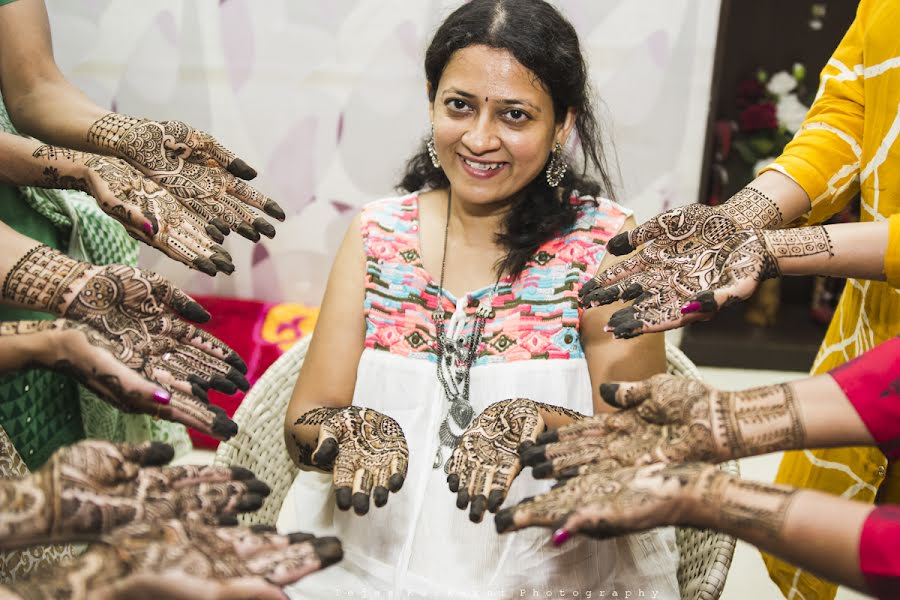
[148, 228]
[560, 536]
[162, 396]
[690, 307]
[608, 329]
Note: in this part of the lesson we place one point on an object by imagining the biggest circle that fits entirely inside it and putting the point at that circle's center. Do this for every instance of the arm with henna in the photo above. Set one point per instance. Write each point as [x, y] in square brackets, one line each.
[816, 531]
[671, 419]
[93, 487]
[149, 213]
[191, 164]
[137, 312]
[183, 560]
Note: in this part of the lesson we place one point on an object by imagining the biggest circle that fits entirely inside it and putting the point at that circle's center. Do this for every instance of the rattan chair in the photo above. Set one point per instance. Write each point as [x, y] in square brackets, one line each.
[705, 556]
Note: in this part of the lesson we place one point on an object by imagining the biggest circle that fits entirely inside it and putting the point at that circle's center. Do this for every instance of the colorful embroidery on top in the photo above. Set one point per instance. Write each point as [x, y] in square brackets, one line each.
[535, 317]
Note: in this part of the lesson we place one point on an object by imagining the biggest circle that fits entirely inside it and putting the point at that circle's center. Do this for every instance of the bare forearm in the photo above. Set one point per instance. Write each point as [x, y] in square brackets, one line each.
[56, 112]
[850, 250]
[815, 531]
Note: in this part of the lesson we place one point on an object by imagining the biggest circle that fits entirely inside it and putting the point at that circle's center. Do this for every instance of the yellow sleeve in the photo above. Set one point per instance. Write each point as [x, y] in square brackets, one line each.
[823, 158]
[892, 258]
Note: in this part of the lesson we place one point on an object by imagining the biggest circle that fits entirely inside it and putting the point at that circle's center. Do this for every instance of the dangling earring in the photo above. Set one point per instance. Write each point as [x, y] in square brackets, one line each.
[557, 168]
[432, 152]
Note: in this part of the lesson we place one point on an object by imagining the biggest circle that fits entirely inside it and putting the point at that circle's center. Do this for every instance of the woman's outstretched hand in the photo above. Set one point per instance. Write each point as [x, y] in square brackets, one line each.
[695, 259]
[486, 459]
[186, 559]
[96, 360]
[365, 450]
[605, 504]
[139, 310]
[93, 487]
[148, 212]
[670, 420]
[194, 167]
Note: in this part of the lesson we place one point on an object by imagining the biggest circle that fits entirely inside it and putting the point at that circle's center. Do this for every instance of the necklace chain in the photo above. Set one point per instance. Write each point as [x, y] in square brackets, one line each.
[457, 389]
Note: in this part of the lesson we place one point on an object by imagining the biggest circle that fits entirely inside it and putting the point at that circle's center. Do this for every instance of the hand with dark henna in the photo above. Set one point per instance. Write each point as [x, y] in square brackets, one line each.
[668, 419]
[681, 257]
[96, 360]
[205, 176]
[604, 504]
[365, 450]
[148, 212]
[178, 559]
[138, 308]
[486, 459]
[92, 487]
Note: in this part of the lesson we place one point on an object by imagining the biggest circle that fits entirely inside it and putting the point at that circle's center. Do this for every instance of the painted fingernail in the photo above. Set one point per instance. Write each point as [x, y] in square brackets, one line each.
[235, 361]
[560, 536]
[690, 307]
[222, 264]
[205, 265]
[215, 234]
[162, 396]
[264, 227]
[239, 168]
[248, 232]
[148, 228]
[273, 210]
[619, 245]
[328, 549]
[503, 520]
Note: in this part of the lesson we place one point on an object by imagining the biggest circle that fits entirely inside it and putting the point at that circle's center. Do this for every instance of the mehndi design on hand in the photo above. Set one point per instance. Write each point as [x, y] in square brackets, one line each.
[486, 459]
[669, 419]
[186, 556]
[137, 307]
[148, 212]
[194, 167]
[91, 488]
[688, 250]
[605, 504]
[98, 361]
[366, 451]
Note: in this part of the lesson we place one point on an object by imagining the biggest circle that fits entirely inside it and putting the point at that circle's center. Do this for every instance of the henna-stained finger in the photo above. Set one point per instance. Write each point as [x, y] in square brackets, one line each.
[361, 490]
[248, 194]
[227, 159]
[599, 290]
[147, 454]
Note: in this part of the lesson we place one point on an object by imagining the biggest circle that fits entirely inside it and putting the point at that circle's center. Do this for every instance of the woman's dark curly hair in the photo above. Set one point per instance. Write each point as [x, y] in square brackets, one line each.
[543, 41]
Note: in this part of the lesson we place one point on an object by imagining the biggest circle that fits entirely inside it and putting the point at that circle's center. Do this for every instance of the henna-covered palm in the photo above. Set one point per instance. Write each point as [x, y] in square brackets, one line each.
[138, 308]
[94, 359]
[671, 420]
[91, 488]
[605, 504]
[686, 251]
[194, 167]
[486, 459]
[148, 212]
[365, 450]
[178, 559]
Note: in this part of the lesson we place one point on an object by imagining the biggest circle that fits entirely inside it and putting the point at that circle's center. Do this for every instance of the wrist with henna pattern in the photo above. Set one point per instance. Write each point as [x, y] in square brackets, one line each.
[726, 503]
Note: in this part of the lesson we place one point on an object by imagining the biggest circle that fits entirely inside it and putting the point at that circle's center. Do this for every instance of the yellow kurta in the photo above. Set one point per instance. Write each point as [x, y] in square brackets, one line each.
[849, 144]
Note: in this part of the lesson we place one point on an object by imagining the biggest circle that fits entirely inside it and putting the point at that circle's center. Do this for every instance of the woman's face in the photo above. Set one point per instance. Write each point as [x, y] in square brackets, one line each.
[494, 126]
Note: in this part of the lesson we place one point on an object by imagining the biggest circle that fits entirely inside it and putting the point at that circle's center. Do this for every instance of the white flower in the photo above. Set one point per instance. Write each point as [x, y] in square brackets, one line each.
[791, 112]
[781, 83]
[762, 164]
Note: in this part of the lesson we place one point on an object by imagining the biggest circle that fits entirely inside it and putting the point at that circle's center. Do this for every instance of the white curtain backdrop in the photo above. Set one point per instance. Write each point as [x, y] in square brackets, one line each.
[327, 100]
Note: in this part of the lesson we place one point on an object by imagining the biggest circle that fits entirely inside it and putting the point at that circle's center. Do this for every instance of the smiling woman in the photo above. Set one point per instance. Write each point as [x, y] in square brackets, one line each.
[453, 310]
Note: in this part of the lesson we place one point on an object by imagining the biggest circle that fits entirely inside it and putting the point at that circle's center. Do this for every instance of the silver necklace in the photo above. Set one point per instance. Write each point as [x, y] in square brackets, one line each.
[455, 360]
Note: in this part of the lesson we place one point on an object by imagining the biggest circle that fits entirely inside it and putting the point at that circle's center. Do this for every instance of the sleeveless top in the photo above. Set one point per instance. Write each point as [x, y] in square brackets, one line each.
[420, 545]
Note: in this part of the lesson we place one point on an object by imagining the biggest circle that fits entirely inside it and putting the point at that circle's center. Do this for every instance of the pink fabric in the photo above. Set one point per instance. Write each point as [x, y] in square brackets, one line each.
[879, 552]
[872, 384]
